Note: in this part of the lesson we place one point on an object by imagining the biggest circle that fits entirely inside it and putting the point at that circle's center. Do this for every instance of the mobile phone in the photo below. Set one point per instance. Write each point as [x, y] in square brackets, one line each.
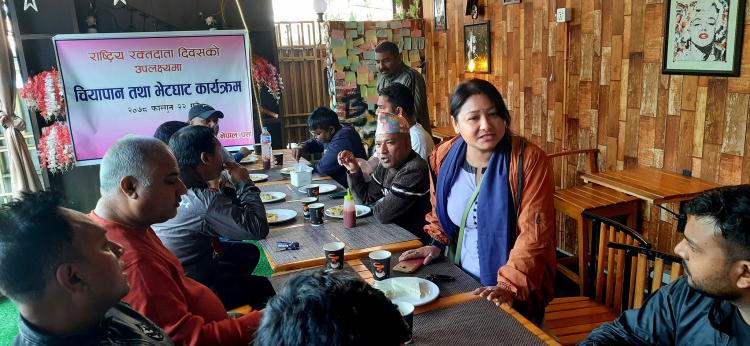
[337, 195]
[409, 266]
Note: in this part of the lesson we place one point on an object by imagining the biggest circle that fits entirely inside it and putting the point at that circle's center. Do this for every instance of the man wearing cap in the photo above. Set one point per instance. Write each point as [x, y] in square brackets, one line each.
[401, 181]
[205, 115]
[393, 70]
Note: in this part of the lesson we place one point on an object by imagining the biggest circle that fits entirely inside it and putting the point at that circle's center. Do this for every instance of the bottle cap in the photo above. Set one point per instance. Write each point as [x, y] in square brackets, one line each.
[348, 196]
[265, 128]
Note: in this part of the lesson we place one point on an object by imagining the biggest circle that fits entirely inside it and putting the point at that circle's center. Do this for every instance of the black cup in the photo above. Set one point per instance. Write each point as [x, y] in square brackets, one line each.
[334, 255]
[313, 190]
[258, 149]
[316, 213]
[278, 159]
[407, 312]
[380, 264]
[306, 205]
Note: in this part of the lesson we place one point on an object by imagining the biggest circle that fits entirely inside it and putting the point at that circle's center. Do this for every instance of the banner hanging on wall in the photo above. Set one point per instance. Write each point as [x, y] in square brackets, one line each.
[118, 84]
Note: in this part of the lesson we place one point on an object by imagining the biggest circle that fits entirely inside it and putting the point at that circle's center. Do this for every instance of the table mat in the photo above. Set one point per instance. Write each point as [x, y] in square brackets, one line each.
[463, 282]
[279, 281]
[368, 233]
[478, 322]
[322, 196]
[291, 205]
[311, 240]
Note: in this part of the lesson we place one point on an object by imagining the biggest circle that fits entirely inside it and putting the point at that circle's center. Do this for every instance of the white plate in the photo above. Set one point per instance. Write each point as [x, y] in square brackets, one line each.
[284, 214]
[249, 159]
[430, 292]
[277, 196]
[324, 188]
[288, 170]
[365, 211]
[262, 177]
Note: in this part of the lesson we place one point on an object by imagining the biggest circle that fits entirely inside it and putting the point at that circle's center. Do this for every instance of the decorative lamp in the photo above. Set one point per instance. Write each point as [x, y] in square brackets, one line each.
[320, 7]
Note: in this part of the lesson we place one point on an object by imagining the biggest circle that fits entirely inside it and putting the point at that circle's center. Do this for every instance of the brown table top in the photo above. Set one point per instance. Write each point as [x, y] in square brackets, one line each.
[443, 133]
[652, 185]
[288, 161]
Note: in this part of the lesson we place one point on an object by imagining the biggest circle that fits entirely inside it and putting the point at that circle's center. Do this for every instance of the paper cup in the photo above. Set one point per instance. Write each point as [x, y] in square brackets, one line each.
[334, 255]
[380, 264]
[313, 190]
[316, 213]
[306, 206]
[278, 159]
[407, 312]
[258, 149]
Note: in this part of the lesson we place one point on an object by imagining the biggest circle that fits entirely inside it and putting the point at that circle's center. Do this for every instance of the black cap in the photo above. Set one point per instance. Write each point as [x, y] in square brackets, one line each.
[204, 111]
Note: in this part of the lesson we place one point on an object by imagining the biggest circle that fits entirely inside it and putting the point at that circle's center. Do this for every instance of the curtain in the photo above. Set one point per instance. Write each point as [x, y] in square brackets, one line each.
[23, 176]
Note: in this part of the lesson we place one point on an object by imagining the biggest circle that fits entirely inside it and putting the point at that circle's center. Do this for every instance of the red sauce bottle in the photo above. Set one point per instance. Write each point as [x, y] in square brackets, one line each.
[350, 210]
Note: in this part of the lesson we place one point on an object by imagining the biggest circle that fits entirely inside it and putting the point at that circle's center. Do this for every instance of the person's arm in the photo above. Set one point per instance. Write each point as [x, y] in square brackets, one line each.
[407, 188]
[365, 192]
[312, 146]
[238, 157]
[245, 222]
[433, 227]
[155, 294]
[654, 323]
[532, 260]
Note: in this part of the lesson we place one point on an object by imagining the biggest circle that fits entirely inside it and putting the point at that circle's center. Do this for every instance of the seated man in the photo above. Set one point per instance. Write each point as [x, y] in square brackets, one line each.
[205, 115]
[140, 187]
[330, 136]
[225, 266]
[709, 305]
[401, 179]
[397, 99]
[66, 278]
[165, 131]
[328, 307]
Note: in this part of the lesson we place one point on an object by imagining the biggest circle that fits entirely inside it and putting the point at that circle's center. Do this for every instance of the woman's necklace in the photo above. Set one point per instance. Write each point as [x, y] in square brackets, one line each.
[471, 162]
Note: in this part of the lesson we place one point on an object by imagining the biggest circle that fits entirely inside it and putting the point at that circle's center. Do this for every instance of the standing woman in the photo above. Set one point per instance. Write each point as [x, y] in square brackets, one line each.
[493, 220]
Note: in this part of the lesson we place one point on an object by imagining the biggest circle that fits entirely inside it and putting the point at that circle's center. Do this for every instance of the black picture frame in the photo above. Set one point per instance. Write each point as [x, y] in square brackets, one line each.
[511, 2]
[483, 47]
[719, 57]
[441, 20]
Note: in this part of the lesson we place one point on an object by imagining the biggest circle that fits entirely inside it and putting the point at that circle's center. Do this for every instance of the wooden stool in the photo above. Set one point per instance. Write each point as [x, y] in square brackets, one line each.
[593, 199]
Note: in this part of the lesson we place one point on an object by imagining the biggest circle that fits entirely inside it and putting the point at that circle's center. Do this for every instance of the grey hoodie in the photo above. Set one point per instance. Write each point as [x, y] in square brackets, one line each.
[204, 214]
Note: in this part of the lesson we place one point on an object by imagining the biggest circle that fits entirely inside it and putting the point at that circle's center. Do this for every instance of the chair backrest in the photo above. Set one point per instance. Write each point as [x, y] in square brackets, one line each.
[616, 264]
[590, 163]
[639, 274]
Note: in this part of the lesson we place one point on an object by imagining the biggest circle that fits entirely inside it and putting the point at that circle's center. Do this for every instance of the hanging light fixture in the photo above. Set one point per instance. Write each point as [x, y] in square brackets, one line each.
[474, 14]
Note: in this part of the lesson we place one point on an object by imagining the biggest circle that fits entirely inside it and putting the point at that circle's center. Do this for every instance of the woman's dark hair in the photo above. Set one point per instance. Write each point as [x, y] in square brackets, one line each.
[729, 208]
[327, 307]
[165, 131]
[35, 239]
[475, 86]
[322, 118]
[188, 143]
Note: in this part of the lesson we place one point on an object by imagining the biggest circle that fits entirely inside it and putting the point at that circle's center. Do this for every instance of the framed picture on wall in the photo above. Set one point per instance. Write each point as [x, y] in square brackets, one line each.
[441, 22]
[477, 52]
[508, 2]
[703, 37]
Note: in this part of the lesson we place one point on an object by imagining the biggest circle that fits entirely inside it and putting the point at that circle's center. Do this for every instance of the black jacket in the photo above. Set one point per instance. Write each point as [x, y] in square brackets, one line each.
[675, 315]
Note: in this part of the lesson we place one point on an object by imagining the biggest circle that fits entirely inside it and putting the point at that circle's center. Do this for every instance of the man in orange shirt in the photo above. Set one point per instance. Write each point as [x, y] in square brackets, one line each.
[140, 187]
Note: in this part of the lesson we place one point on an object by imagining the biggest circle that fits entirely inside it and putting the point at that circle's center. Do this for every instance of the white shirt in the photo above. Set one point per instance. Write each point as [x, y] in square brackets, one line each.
[463, 187]
[421, 141]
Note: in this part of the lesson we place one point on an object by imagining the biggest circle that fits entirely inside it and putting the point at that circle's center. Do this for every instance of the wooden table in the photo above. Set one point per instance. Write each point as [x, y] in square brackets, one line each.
[655, 186]
[443, 133]
[288, 161]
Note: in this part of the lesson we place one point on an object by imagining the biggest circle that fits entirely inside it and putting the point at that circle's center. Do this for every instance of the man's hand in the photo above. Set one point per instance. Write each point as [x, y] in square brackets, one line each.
[298, 152]
[244, 151]
[347, 159]
[218, 183]
[236, 171]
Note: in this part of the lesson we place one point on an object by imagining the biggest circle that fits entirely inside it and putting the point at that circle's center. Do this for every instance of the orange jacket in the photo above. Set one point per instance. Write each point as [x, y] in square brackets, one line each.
[530, 270]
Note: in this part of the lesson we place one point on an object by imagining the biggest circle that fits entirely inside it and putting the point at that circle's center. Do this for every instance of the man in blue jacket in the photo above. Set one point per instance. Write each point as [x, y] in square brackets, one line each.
[331, 137]
[711, 304]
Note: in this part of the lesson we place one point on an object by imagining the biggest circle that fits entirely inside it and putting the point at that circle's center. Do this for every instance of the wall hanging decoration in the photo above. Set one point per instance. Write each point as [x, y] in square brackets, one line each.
[509, 2]
[441, 22]
[266, 75]
[477, 53]
[44, 93]
[703, 37]
[55, 148]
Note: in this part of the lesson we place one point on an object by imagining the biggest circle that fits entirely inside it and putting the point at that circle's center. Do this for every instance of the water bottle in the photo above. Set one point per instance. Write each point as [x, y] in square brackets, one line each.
[267, 150]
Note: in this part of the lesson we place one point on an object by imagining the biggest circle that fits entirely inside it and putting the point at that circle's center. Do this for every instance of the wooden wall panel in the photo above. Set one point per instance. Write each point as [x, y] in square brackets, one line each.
[596, 82]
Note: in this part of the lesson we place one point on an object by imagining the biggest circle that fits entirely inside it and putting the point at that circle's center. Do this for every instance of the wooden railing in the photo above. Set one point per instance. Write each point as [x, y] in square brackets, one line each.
[302, 64]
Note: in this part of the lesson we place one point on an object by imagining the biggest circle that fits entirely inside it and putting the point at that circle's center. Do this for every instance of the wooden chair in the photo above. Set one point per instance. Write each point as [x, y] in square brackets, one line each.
[627, 272]
[594, 199]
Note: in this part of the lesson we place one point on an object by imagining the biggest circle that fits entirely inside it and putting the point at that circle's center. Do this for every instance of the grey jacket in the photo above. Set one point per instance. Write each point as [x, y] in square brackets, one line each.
[204, 214]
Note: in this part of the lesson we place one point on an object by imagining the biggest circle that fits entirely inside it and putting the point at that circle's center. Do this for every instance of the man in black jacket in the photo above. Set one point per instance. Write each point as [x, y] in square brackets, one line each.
[66, 278]
[711, 304]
